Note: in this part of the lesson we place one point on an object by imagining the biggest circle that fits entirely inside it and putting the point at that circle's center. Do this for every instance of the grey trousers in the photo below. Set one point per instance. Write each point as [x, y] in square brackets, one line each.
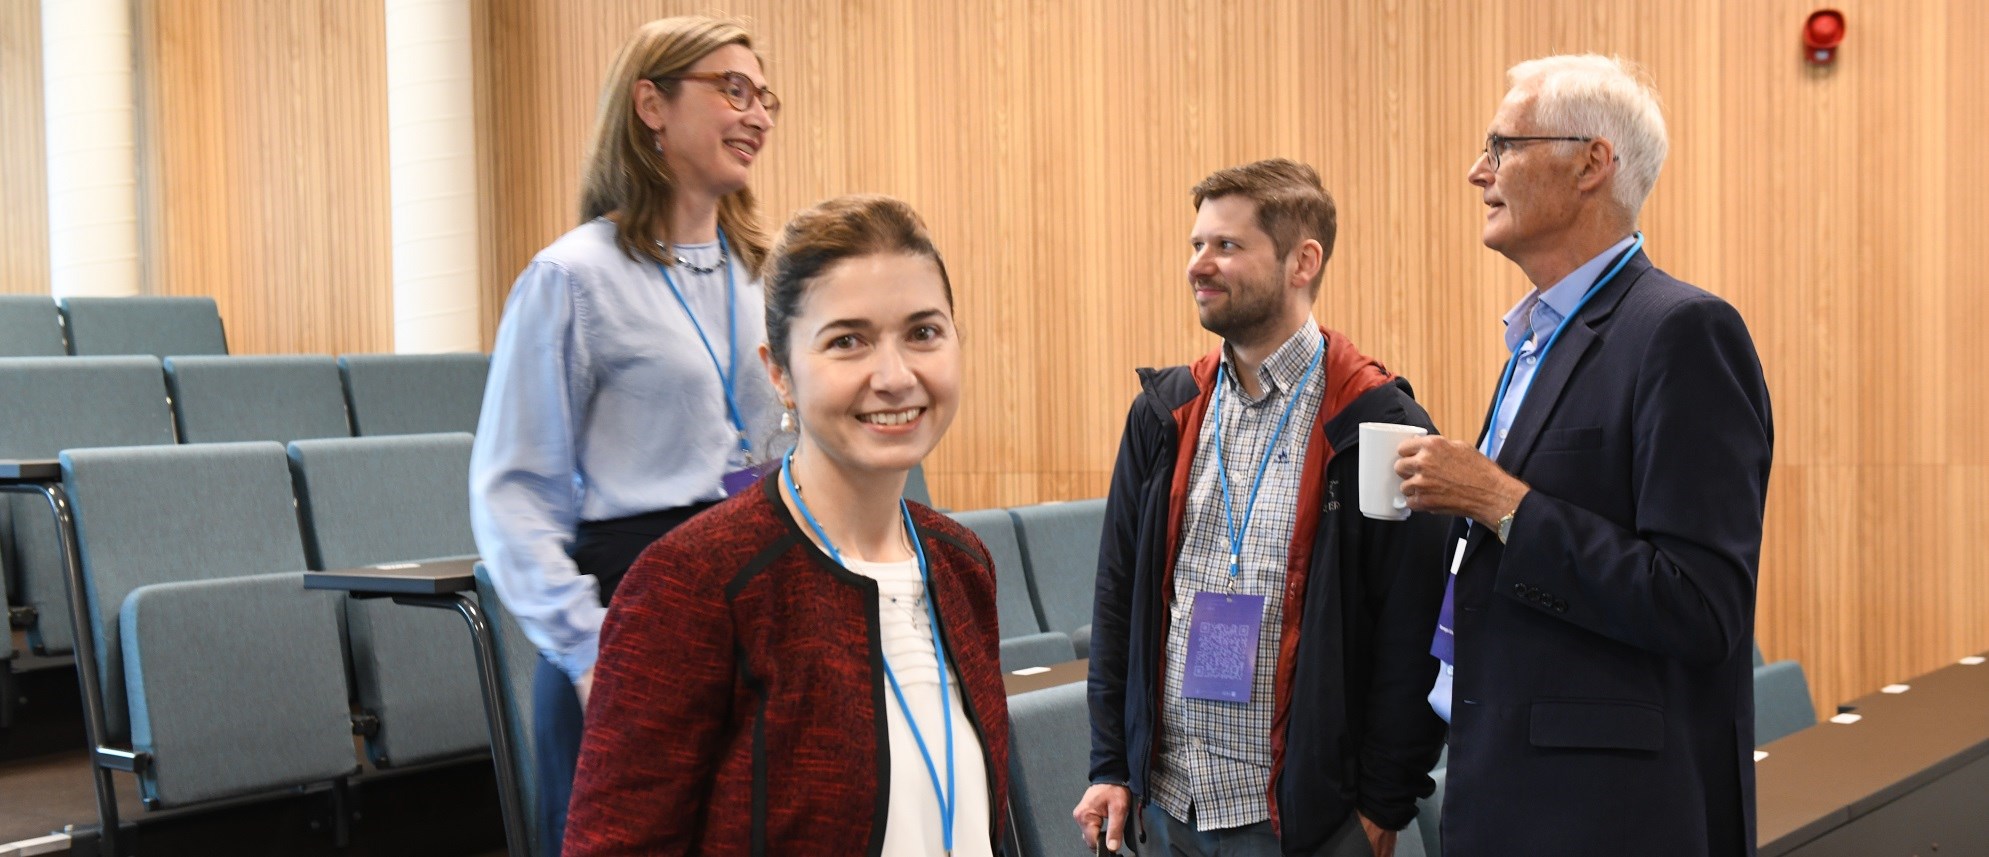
[1167, 836]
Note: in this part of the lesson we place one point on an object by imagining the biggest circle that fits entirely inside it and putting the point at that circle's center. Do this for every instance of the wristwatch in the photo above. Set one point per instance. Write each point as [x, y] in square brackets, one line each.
[1505, 526]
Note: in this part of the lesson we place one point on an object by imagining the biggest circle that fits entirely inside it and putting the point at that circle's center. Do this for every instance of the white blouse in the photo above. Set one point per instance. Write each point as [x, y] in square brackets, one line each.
[913, 823]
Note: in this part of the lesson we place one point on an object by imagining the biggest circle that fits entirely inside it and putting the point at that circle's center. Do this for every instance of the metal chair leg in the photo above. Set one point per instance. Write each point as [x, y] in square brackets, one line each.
[490, 676]
[86, 654]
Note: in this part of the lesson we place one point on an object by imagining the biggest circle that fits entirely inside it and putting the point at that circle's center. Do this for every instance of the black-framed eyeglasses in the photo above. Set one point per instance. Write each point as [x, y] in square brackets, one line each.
[1497, 145]
[737, 88]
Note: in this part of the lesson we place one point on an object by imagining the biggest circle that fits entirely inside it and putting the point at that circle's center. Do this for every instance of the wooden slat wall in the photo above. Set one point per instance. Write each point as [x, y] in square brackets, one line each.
[23, 162]
[1051, 146]
[263, 157]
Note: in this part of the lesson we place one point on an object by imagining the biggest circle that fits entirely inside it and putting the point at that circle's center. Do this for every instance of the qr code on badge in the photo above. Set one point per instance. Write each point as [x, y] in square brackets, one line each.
[1227, 650]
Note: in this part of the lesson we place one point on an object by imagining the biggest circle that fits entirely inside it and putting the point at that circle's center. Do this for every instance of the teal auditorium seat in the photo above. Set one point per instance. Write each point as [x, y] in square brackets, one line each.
[30, 327]
[234, 686]
[228, 399]
[1015, 601]
[365, 501]
[1049, 763]
[1781, 702]
[1036, 650]
[518, 659]
[1024, 642]
[53, 404]
[214, 660]
[1060, 546]
[159, 326]
[413, 393]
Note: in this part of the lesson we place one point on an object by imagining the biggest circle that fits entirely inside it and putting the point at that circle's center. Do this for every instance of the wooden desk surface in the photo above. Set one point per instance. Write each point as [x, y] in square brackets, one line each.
[1827, 775]
[1063, 673]
[432, 577]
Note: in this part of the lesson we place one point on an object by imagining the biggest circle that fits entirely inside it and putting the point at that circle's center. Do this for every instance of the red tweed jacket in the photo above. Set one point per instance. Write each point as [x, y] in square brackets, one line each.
[738, 703]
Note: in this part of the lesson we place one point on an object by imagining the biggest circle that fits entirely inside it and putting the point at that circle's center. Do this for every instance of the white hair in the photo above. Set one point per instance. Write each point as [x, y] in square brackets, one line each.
[1596, 96]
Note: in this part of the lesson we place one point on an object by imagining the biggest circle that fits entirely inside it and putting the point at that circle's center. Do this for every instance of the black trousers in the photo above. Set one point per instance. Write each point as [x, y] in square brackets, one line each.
[604, 549]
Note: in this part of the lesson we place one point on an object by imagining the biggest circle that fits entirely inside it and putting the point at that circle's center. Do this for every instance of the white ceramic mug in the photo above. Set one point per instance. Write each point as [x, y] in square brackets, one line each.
[1381, 489]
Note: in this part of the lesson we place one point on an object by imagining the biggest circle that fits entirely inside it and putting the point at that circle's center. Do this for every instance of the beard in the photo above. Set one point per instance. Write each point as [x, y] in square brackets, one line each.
[1249, 312]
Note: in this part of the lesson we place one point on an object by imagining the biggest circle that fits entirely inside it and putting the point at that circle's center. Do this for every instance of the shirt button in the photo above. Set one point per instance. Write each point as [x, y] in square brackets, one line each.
[1502, 434]
[1530, 359]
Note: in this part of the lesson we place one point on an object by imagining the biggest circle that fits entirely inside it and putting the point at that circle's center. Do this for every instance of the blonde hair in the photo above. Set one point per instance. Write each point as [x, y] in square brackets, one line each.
[627, 175]
[1596, 96]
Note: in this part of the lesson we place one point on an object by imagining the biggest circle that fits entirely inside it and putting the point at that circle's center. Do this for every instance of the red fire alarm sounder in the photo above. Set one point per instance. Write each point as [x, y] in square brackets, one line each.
[1822, 33]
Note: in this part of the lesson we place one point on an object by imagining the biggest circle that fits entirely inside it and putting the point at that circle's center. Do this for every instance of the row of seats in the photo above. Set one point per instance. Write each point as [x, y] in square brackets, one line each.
[1051, 752]
[216, 664]
[338, 486]
[1046, 561]
[230, 678]
[94, 327]
[63, 403]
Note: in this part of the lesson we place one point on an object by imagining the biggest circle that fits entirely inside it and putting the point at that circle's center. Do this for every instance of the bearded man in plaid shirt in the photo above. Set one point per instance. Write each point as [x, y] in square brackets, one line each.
[1260, 650]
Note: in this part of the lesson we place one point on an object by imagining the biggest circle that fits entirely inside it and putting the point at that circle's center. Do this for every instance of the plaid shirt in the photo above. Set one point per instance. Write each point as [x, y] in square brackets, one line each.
[1216, 756]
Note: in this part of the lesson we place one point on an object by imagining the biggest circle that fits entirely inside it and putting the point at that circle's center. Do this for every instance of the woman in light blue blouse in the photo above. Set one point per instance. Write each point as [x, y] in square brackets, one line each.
[625, 395]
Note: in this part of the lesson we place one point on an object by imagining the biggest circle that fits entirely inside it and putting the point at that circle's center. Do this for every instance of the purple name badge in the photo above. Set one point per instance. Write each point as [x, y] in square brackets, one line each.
[745, 477]
[1222, 646]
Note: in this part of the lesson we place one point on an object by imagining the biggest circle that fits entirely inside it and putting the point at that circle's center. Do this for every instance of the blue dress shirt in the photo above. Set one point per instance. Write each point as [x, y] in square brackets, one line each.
[602, 404]
[1528, 326]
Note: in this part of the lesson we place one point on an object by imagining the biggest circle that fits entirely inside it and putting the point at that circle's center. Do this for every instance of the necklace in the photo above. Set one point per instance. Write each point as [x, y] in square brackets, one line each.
[700, 269]
[724, 258]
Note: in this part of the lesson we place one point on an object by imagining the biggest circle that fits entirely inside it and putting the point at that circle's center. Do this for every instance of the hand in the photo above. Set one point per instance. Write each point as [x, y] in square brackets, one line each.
[1379, 838]
[584, 687]
[1450, 477]
[1104, 804]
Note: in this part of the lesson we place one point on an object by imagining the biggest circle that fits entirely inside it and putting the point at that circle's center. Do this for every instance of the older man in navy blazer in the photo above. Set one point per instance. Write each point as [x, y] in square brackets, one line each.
[1597, 635]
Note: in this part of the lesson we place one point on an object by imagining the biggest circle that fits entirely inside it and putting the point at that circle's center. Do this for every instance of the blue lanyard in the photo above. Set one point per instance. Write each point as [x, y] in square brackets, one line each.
[946, 794]
[728, 374]
[1540, 357]
[1222, 469]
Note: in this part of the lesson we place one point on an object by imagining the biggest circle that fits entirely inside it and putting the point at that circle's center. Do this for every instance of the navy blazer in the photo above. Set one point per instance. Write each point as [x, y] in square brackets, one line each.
[1603, 698]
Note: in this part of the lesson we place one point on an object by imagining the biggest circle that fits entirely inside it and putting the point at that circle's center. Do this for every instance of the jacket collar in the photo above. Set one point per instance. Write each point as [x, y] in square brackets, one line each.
[1348, 374]
[1551, 379]
[1553, 375]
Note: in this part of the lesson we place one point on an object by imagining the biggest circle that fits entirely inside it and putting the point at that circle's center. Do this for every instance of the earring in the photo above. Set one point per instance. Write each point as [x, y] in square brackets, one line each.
[787, 421]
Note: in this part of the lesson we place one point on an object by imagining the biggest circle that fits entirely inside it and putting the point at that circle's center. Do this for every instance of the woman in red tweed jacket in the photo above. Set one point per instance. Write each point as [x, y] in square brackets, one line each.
[812, 666]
